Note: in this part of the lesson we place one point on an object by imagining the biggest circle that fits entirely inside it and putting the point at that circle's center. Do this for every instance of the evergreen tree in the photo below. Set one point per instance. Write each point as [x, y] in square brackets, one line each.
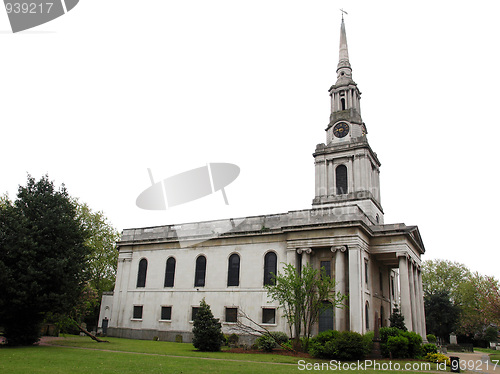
[42, 258]
[397, 319]
[207, 330]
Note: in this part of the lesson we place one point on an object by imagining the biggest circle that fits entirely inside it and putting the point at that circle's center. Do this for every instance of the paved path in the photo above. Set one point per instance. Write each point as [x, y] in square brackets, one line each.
[477, 362]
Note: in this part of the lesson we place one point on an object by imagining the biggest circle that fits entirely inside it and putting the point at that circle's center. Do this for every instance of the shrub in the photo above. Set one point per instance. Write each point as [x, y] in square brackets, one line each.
[233, 339]
[398, 346]
[318, 346]
[268, 343]
[429, 348]
[345, 345]
[437, 358]
[207, 330]
[368, 340]
[385, 334]
[350, 346]
[431, 338]
[414, 343]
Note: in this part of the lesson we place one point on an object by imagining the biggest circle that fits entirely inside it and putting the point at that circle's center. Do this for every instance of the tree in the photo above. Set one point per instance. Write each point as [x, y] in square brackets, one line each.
[102, 259]
[441, 314]
[397, 319]
[302, 296]
[42, 259]
[207, 330]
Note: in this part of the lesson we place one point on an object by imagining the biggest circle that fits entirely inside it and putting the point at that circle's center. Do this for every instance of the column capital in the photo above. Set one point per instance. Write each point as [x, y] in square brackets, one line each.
[304, 250]
[340, 248]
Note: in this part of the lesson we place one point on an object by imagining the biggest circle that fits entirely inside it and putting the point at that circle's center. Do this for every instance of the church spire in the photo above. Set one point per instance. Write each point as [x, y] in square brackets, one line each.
[344, 71]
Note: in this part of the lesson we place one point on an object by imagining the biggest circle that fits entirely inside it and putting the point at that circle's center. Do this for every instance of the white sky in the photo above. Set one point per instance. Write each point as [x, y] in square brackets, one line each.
[97, 96]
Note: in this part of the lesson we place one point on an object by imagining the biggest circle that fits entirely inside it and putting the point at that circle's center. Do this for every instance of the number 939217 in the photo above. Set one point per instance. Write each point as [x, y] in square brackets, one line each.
[28, 8]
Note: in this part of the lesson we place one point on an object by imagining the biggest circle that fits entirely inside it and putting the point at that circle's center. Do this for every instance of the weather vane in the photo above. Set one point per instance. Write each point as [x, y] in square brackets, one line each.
[343, 11]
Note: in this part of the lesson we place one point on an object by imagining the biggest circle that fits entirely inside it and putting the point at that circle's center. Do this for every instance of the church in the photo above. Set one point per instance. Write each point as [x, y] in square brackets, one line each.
[165, 271]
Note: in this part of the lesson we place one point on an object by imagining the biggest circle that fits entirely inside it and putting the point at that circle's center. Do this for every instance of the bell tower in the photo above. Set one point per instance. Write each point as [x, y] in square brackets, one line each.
[346, 168]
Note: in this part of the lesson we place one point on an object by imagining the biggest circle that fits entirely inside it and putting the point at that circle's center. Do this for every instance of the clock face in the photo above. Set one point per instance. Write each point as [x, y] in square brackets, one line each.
[341, 129]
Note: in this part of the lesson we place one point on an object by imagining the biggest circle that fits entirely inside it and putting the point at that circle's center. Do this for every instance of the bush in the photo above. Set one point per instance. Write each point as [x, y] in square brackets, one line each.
[431, 338]
[345, 345]
[398, 346]
[321, 346]
[233, 339]
[368, 340]
[429, 348]
[437, 358]
[414, 343]
[268, 343]
[413, 346]
[207, 330]
[351, 346]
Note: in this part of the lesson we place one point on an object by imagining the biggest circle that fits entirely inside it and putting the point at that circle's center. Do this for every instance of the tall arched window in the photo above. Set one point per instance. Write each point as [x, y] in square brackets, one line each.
[141, 274]
[341, 179]
[270, 267]
[342, 104]
[201, 267]
[367, 316]
[233, 270]
[170, 272]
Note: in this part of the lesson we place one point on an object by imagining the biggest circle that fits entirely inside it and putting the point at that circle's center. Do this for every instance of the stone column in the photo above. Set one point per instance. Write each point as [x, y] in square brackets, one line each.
[306, 256]
[355, 288]
[340, 285]
[412, 297]
[418, 311]
[405, 292]
[421, 303]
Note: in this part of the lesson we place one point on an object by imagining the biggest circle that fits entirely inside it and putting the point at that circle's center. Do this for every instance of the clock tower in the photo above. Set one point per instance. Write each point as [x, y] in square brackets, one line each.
[346, 168]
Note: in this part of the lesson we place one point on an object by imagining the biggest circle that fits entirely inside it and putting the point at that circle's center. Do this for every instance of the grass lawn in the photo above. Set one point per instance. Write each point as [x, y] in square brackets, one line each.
[147, 357]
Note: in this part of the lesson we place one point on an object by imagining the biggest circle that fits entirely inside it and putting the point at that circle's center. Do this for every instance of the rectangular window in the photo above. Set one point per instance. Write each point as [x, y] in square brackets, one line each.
[381, 281]
[137, 312]
[269, 315]
[231, 314]
[194, 312]
[328, 268]
[366, 272]
[166, 313]
[392, 287]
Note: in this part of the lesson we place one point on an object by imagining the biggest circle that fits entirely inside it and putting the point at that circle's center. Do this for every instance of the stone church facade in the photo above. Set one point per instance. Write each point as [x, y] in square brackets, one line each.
[165, 271]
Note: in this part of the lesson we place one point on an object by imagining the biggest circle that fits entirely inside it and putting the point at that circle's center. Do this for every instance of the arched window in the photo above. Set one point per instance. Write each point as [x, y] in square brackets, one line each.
[201, 267]
[342, 104]
[233, 270]
[341, 179]
[141, 274]
[170, 272]
[367, 316]
[270, 267]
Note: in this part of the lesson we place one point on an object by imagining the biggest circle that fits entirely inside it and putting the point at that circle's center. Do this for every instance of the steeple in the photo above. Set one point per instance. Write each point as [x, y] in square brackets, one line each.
[344, 71]
[347, 170]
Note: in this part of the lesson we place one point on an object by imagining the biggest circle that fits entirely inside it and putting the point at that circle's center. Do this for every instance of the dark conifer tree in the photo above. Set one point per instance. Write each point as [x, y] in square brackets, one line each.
[207, 330]
[42, 258]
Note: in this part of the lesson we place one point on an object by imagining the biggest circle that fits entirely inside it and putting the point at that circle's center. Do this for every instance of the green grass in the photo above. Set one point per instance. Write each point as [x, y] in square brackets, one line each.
[147, 357]
[167, 348]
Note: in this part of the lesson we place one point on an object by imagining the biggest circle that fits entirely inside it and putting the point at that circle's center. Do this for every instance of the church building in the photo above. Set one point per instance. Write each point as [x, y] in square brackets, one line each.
[165, 271]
